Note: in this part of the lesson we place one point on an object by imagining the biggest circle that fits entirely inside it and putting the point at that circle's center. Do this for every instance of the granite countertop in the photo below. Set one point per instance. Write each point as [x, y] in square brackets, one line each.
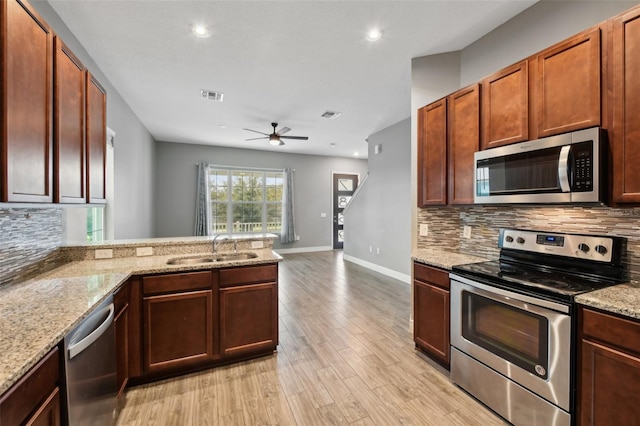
[38, 313]
[622, 299]
[442, 258]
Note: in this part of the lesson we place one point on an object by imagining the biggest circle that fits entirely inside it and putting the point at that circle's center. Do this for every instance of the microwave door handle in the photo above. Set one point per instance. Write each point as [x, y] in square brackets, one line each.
[563, 168]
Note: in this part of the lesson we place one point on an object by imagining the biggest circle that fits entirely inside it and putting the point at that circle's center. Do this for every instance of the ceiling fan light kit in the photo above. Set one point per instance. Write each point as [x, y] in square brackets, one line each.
[276, 137]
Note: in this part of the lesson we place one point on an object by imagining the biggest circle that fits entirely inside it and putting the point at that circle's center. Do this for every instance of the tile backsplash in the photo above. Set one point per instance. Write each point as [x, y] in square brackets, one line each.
[446, 226]
[29, 239]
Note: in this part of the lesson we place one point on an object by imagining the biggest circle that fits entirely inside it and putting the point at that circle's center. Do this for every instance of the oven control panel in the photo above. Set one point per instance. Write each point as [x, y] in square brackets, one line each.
[590, 247]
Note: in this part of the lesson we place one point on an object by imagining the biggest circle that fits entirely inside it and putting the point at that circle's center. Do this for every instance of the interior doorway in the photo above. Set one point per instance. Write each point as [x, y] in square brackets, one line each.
[344, 185]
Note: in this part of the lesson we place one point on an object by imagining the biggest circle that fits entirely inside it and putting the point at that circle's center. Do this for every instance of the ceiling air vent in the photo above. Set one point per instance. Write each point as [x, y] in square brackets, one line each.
[211, 95]
[330, 114]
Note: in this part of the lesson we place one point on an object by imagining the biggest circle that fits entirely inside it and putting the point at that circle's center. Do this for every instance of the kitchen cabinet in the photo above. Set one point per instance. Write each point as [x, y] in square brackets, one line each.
[608, 369]
[567, 78]
[625, 132]
[35, 398]
[432, 154]
[69, 137]
[248, 310]
[121, 325]
[26, 91]
[431, 312]
[505, 106]
[96, 127]
[177, 321]
[463, 142]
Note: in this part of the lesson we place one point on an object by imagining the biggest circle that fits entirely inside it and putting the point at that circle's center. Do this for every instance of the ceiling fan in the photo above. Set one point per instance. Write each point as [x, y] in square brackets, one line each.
[276, 137]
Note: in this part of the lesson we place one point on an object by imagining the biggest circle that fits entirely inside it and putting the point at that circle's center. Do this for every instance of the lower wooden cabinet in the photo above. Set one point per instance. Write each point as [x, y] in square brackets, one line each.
[35, 398]
[608, 370]
[177, 322]
[431, 312]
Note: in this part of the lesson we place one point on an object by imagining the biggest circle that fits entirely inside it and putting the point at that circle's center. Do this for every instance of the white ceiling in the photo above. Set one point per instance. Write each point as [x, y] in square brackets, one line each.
[283, 61]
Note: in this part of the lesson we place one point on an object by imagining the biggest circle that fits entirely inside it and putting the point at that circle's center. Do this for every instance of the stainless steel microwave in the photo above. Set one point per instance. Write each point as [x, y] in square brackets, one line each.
[566, 168]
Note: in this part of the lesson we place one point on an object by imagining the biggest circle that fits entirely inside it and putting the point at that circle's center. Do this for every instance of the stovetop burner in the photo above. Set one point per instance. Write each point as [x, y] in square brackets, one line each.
[552, 265]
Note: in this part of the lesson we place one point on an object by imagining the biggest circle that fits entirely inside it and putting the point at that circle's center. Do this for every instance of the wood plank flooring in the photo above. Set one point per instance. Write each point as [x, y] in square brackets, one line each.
[346, 357]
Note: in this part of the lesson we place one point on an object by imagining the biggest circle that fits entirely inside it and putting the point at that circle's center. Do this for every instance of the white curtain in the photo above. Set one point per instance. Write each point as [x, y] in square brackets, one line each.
[203, 202]
[288, 234]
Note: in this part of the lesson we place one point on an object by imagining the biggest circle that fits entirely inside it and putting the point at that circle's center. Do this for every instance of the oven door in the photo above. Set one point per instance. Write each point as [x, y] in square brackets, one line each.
[524, 338]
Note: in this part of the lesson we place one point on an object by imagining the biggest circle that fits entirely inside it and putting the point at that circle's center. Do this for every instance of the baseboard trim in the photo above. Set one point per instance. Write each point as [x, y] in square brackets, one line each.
[303, 249]
[381, 269]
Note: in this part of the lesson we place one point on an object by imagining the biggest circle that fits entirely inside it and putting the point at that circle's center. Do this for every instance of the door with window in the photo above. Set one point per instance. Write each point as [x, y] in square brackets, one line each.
[344, 185]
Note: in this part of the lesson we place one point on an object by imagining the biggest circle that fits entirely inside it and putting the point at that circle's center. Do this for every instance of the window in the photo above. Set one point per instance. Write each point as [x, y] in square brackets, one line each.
[95, 224]
[245, 201]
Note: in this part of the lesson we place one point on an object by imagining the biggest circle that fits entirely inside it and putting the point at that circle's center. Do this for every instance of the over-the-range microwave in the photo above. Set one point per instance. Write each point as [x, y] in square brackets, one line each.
[566, 168]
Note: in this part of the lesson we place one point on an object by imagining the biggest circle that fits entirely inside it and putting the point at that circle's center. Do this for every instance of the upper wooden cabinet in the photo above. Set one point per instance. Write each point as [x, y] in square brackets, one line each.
[96, 141]
[69, 138]
[432, 154]
[625, 131]
[26, 91]
[567, 79]
[505, 106]
[463, 142]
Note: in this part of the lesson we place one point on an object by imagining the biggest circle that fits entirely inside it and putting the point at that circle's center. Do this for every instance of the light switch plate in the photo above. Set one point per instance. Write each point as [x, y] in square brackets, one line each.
[257, 244]
[424, 229]
[104, 254]
[323, 215]
[144, 251]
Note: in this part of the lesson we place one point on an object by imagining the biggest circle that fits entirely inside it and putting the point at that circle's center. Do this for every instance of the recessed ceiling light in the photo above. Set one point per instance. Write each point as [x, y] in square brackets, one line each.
[222, 126]
[330, 114]
[374, 34]
[201, 31]
[332, 144]
[355, 154]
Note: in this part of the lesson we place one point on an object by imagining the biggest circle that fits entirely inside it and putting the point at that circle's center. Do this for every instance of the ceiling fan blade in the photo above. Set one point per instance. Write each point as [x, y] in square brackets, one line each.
[283, 131]
[254, 139]
[255, 131]
[301, 138]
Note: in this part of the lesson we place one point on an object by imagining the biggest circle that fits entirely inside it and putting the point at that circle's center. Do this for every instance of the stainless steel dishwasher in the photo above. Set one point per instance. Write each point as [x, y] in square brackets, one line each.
[90, 369]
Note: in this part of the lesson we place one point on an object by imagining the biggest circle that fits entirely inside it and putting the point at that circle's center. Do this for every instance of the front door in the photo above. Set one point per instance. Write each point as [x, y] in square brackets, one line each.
[344, 185]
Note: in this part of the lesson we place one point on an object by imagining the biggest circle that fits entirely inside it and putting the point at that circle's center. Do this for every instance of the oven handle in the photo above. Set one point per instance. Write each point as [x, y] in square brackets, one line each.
[563, 168]
[511, 295]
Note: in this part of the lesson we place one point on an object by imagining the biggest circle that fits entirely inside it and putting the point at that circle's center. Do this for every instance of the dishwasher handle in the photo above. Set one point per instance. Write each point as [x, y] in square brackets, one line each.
[75, 348]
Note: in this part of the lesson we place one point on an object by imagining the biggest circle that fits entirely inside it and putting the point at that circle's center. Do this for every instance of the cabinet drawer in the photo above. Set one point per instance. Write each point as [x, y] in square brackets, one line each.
[22, 399]
[432, 275]
[176, 282]
[121, 298]
[248, 275]
[617, 331]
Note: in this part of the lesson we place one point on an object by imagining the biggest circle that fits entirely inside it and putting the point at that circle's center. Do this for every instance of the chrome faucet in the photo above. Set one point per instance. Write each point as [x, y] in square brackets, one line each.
[214, 248]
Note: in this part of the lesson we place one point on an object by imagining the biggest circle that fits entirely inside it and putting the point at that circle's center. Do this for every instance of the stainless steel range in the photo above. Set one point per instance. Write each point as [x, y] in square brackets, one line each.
[513, 323]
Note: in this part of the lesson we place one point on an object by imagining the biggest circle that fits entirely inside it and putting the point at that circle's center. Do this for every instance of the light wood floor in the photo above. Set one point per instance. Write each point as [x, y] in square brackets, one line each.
[346, 356]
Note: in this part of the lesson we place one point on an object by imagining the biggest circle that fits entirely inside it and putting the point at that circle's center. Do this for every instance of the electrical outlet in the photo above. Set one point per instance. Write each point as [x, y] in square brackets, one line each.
[323, 215]
[378, 250]
[466, 232]
[424, 229]
[370, 249]
[104, 254]
[257, 244]
[144, 251]
[297, 237]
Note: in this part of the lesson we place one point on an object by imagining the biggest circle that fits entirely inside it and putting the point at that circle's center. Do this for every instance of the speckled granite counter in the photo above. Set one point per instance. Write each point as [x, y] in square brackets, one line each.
[38, 313]
[442, 258]
[623, 299]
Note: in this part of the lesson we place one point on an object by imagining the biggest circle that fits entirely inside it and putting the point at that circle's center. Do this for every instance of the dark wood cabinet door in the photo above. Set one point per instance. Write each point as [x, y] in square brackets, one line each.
[567, 77]
[431, 320]
[178, 330]
[505, 106]
[48, 414]
[69, 137]
[96, 127]
[432, 154]
[464, 141]
[26, 89]
[121, 324]
[610, 385]
[625, 134]
[248, 319]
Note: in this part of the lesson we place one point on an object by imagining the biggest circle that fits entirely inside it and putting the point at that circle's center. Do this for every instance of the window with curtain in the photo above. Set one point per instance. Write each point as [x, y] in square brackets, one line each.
[245, 200]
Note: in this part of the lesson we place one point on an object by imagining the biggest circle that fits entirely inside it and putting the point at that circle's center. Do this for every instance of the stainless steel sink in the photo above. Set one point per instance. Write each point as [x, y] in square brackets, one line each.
[211, 259]
[190, 260]
[235, 256]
